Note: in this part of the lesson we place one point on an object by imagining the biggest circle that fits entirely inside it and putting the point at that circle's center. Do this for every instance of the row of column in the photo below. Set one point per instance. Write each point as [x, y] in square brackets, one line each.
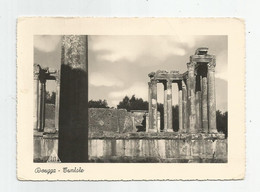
[201, 98]
[39, 101]
[196, 98]
[153, 122]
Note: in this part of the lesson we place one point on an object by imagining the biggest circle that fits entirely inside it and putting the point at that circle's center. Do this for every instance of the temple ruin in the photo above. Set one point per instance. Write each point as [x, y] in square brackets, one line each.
[196, 96]
[41, 75]
[116, 135]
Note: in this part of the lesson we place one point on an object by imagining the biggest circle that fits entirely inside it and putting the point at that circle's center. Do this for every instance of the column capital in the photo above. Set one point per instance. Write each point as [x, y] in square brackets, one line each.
[154, 81]
[191, 65]
[212, 64]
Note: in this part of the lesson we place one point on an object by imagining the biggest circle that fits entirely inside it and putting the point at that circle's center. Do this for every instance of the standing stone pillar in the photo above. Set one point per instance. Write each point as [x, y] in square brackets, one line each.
[204, 95]
[184, 107]
[198, 103]
[57, 101]
[150, 106]
[153, 119]
[165, 108]
[147, 122]
[192, 99]
[36, 98]
[158, 121]
[212, 97]
[169, 106]
[39, 106]
[180, 106]
[73, 117]
[42, 104]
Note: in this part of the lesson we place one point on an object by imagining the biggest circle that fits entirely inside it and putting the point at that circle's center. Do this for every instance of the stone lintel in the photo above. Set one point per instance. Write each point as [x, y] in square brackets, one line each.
[200, 59]
[170, 77]
[165, 75]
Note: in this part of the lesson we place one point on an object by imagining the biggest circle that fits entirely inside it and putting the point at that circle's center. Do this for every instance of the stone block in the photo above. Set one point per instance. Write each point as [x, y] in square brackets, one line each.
[184, 148]
[109, 120]
[221, 149]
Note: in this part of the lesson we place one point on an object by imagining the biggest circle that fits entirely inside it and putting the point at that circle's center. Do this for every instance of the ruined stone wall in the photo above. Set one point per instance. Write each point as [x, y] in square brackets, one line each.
[113, 138]
[147, 147]
[144, 147]
[103, 120]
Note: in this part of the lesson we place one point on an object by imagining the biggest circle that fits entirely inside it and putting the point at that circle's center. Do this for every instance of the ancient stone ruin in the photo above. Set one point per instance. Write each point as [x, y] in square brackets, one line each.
[116, 135]
[196, 96]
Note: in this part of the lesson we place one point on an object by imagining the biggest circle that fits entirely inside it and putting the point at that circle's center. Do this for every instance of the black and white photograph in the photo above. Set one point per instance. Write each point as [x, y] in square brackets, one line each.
[130, 99]
[102, 101]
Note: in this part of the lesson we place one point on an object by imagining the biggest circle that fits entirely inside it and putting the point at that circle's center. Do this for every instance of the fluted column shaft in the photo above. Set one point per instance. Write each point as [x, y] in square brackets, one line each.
[42, 105]
[180, 106]
[36, 102]
[169, 106]
[192, 99]
[165, 107]
[149, 107]
[198, 103]
[212, 97]
[204, 107]
[154, 121]
[57, 101]
[184, 107]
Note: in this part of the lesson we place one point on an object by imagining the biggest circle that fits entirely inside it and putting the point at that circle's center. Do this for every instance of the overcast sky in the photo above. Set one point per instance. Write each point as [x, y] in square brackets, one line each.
[119, 65]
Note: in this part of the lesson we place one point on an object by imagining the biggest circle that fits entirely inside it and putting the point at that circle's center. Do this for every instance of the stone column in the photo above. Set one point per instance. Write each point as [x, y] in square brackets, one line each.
[192, 99]
[212, 97]
[198, 104]
[158, 121]
[153, 119]
[150, 106]
[73, 116]
[169, 106]
[42, 104]
[204, 95]
[165, 108]
[147, 121]
[184, 107]
[36, 95]
[39, 106]
[180, 107]
[57, 101]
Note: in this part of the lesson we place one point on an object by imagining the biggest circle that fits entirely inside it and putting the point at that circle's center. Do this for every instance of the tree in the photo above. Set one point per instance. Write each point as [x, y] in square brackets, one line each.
[98, 104]
[132, 104]
[222, 122]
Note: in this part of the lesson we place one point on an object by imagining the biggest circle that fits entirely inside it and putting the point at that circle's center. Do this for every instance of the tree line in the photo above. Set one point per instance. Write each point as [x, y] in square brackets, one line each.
[134, 103]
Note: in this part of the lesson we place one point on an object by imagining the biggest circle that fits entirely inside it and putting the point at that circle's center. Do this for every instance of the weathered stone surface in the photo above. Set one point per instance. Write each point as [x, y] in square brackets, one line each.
[180, 107]
[169, 106]
[153, 117]
[212, 98]
[198, 104]
[204, 104]
[191, 95]
[186, 148]
[165, 106]
[109, 120]
[139, 120]
[184, 108]
[43, 148]
[50, 130]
